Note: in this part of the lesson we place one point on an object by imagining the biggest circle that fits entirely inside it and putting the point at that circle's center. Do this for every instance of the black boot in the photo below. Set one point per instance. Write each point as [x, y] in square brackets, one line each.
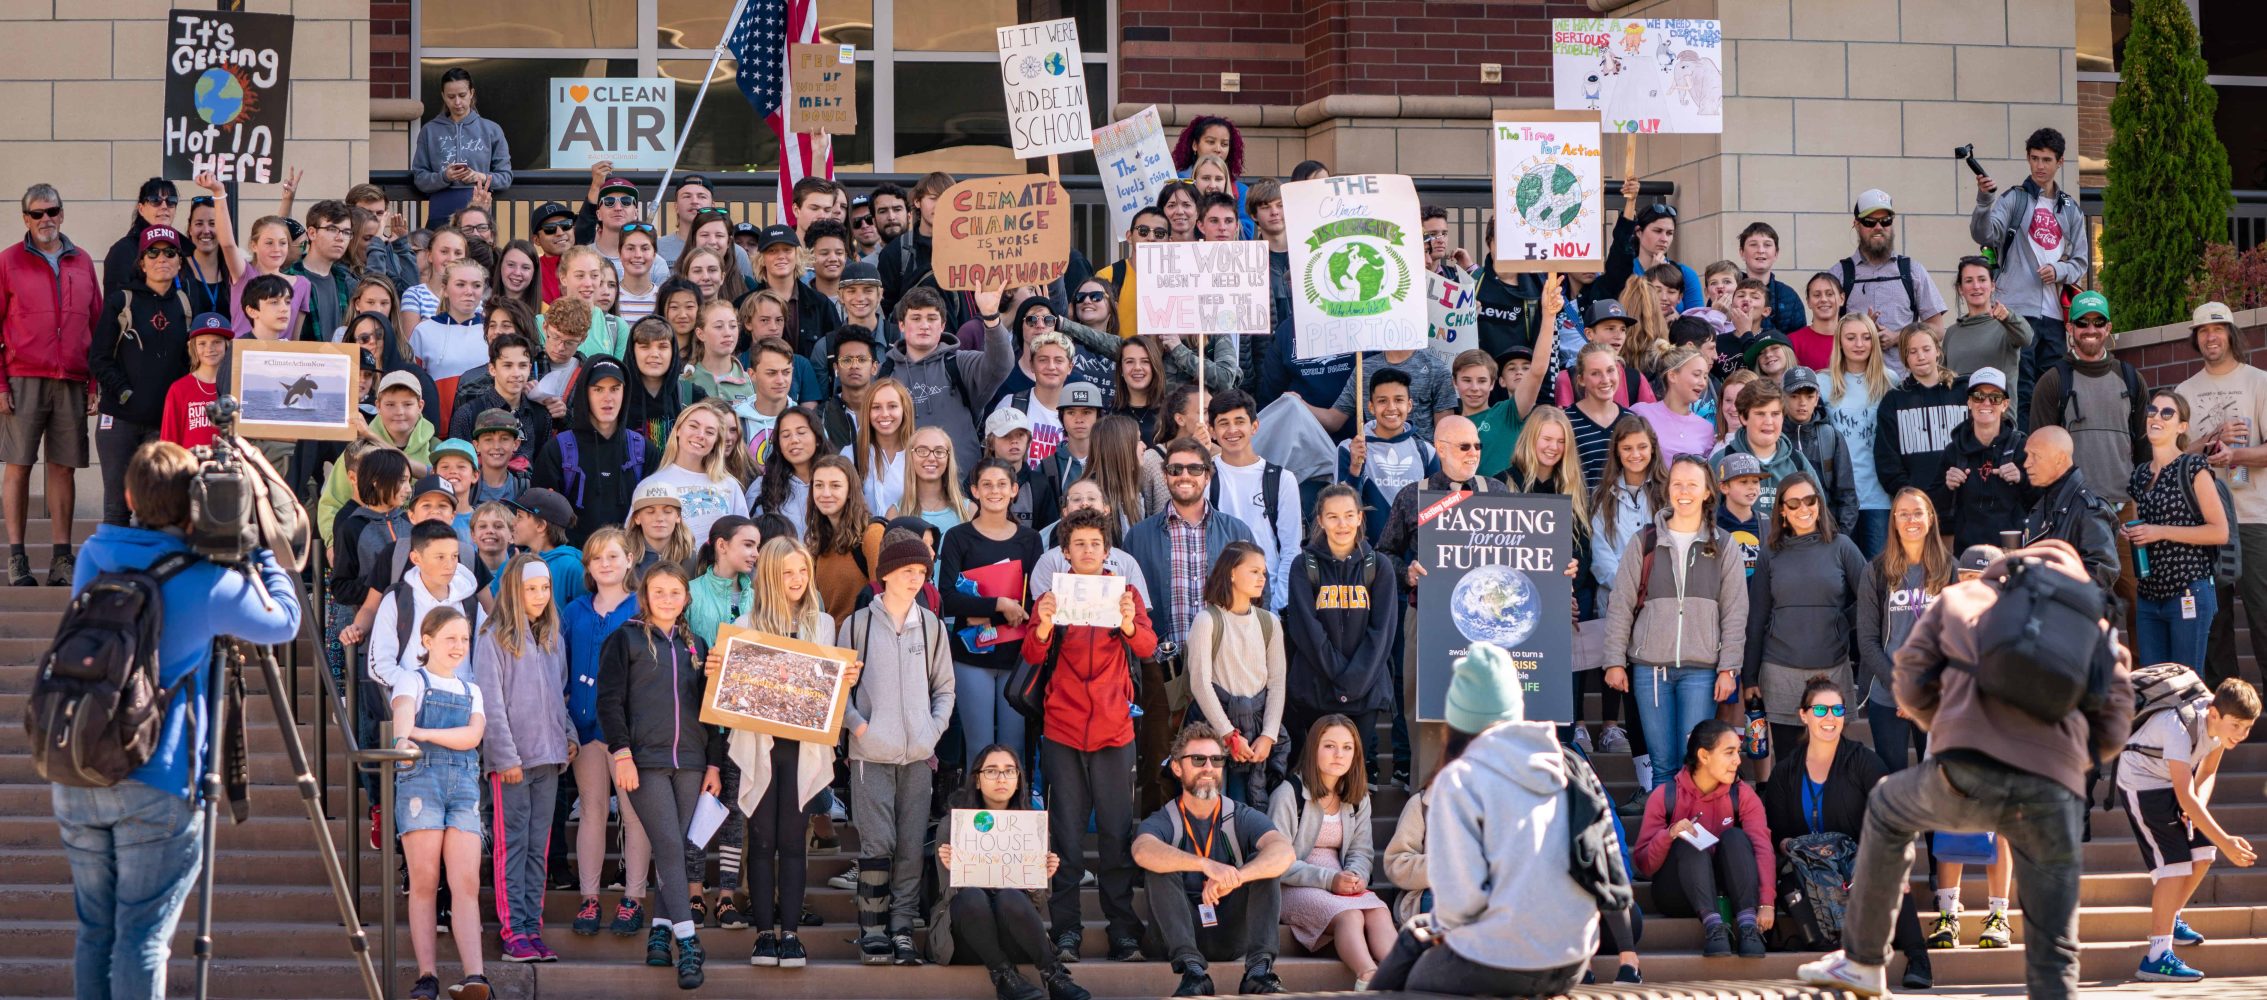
[1920, 973]
[873, 911]
[1061, 987]
[1008, 984]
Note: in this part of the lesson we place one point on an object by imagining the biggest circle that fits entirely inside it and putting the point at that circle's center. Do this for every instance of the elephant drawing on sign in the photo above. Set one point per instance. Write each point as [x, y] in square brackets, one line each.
[1699, 83]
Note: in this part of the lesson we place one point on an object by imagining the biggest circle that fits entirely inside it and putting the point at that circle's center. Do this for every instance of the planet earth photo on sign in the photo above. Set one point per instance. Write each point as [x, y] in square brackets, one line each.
[1548, 196]
[219, 97]
[1496, 604]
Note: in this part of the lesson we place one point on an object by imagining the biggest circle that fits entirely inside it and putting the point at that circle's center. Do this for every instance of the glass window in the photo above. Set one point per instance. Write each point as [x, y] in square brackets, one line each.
[531, 24]
[514, 93]
[970, 25]
[2102, 25]
[950, 117]
[2236, 42]
[731, 136]
[2244, 132]
[696, 24]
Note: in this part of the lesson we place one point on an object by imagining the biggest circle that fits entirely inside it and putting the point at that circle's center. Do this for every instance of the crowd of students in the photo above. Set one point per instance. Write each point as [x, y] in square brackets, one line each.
[583, 453]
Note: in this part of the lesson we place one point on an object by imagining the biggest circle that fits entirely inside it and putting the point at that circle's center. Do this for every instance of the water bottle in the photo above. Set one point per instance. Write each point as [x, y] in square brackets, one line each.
[2140, 555]
[1756, 744]
[2242, 476]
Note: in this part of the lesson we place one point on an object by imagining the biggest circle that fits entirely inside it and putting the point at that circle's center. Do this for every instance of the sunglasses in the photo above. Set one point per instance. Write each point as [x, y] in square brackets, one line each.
[201, 201]
[1187, 469]
[1799, 503]
[555, 228]
[2164, 412]
[1822, 711]
[618, 201]
[44, 213]
[1987, 397]
[862, 222]
[162, 253]
[712, 210]
[639, 227]
[2092, 323]
[1877, 223]
[166, 200]
[1091, 297]
[1462, 446]
[1046, 320]
[1205, 759]
[1152, 232]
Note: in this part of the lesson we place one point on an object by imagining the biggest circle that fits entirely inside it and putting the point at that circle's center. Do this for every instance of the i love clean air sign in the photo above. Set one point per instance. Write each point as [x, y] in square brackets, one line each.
[632, 122]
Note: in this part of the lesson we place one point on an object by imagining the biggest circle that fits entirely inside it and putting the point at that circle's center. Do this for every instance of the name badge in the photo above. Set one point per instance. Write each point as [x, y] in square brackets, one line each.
[2188, 606]
[1207, 915]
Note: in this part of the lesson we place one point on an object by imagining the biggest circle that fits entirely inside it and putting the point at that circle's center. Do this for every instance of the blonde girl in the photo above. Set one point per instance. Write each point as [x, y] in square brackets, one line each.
[1856, 380]
[885, 432]
[657, 531]
[694, 467]
[932, 482]
[438, 818]
[608, 564]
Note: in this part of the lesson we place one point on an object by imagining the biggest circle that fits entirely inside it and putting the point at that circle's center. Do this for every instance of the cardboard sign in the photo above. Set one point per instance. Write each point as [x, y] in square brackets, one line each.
[1088, 600]
[1640, 75]
[1135, 165]
[781, 687]
[1357, 264]
[1550, 192]
[1495, 572]
[294, 391]
[823, 79]
[632, 122]
[1045, 78]
[1000, 232]
[999, 849]
[1452, 304]
[227, 94]
[1201, 288]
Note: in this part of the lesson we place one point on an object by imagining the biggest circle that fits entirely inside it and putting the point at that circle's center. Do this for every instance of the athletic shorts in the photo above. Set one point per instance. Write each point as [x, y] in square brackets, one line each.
[45, 409]
[2169, 842]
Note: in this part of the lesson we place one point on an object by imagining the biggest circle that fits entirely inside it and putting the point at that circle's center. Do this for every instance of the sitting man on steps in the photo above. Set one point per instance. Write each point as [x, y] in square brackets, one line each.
[1212, 897]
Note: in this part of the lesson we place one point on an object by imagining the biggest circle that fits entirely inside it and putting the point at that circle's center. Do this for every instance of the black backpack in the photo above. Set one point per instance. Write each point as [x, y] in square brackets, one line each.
[1594, 854]
[96, 707]
[2227, 559]
[1848, 272]
[1269, 473]
[2040, 646]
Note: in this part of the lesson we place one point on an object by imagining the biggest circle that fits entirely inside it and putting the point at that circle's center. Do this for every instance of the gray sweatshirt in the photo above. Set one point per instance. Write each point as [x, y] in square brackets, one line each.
[936, 403]
[1492, 880]
[1802, 603]
[526, 702]
[1697, 618]
[1293, 813]
[475, 142]
[1994, 221]
[903, 700]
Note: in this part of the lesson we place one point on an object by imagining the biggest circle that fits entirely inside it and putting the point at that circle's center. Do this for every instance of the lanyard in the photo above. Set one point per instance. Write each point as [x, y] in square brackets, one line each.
[1814, 804]
[1209, 832]
[213, 294]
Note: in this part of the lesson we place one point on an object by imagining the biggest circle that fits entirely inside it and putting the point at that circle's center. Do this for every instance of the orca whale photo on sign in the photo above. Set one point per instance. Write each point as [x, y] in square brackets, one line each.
[294, 391]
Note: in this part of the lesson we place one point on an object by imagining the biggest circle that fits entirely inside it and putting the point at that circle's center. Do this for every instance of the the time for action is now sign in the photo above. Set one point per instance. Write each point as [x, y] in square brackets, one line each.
[632, 122]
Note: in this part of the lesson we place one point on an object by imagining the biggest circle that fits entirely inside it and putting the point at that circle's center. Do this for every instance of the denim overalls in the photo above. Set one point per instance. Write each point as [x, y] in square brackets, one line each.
[442, 790]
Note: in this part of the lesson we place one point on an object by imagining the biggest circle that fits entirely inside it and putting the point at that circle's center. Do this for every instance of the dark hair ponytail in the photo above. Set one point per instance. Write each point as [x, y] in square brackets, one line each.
[722, 531]
[1703, 737]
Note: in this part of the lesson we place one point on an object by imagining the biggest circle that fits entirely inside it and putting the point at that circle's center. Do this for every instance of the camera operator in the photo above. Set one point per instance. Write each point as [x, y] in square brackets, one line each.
[134, 847]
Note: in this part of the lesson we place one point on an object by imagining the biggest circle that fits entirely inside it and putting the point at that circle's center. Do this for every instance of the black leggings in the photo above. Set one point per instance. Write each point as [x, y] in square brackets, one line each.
[1690, 879]
[775, 845]
[1000, 928]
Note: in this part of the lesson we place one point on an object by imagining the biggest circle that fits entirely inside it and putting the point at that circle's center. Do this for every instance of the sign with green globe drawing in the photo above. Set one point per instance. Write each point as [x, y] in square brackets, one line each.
[1549, 191]
[227, 94]
[1357, 265]
[1495, 572]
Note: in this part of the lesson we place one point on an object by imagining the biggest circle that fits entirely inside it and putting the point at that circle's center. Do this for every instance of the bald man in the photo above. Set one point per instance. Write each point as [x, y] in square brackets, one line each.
[2069, 511]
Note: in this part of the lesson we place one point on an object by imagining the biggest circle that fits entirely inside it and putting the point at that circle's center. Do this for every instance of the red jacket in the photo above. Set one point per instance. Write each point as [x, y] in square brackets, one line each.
[1712, 812]
[47, 315]
[1089, 698]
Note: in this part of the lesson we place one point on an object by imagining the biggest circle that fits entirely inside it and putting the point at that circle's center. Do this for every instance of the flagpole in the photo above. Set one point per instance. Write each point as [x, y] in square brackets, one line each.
[723, 41]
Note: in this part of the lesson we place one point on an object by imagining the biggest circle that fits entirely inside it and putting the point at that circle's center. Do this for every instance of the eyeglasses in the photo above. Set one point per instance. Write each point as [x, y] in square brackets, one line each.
[343, 231]
[1152, 232]
[1799, 503]
[1205, 759]
[1187, 469]
[2164, 412]
[1040, 319]
[478, 227]
[1912, 515]
[166, 200]
[1822, 711]
[44, 213]
[1091, 297]
[931, 452]
[162, 253]
[555, 228]
[1877, 223]
[998, 773]
[1436, 237]
[618, 201]
[639, 227]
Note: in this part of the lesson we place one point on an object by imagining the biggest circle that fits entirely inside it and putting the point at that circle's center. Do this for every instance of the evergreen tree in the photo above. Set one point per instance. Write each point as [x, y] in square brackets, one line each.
[2168, 187]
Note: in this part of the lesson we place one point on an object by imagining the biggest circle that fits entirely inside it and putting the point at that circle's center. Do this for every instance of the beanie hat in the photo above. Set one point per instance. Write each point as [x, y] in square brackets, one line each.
[902, 553]
[1485, 690]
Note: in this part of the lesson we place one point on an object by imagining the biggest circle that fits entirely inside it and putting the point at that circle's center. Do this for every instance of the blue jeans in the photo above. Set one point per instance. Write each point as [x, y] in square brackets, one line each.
[1872, 532]
[1669, 708]
[2162, 635]
[981, 703]
[1894, 737]
[134, 854]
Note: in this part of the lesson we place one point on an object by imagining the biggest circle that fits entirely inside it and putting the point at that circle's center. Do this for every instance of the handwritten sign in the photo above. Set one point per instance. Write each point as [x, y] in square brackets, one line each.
[1088, 600]
[227, 94]
[1640, 75]
[1199, 288]
[632, 122]
[823, 81]
[1357, 264]
[1135, 165]
[999, 848]
[1452, 305]
[1000, 232]
[1045, 79]
[1550, 192]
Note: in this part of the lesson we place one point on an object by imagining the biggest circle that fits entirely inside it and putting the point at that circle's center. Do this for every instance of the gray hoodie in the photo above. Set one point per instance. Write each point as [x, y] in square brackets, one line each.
[1696, 618]
[1994, 220]
[1492, 880]
[937, 403]
[904, 696]
[526, 701]
[475, 142]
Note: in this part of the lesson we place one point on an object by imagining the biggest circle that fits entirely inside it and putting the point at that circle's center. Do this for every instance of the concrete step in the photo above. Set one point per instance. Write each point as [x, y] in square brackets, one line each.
[326, 972]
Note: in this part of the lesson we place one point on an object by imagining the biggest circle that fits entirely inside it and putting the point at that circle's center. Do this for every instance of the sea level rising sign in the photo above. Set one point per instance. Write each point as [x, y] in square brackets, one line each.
[1495, 572]
[1357, 263]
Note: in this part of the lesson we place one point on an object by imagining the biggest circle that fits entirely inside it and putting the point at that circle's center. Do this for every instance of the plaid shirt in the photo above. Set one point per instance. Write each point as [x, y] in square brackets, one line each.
[1186, 588]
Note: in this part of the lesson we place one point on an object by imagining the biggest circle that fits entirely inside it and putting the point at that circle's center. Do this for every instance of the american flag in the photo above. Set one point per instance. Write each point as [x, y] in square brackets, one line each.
[759, 44]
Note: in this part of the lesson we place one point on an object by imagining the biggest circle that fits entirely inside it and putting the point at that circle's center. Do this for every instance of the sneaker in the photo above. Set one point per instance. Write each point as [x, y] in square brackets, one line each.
[1715, 940]
[902, 950]
[728, 913]
[1086, 879]
[1751, 942]
[542, 949]
[1261, 982]
[428, 988]
[766, 953]
[470, 988]
[835, 811]
[59, 571]
[1194, 983]
[791, 953]
[1125, 949]
[657, 946]
[874, 949]
[689, 960]
[629, 918]
[810, 917]
[825, 845]
[586, 919]
[19, 575]
[1834, 969]
[1008, 984]
[1996, 932]
[1920, 973]
[1945, 932]
[2166, 968]
[563, 878]
[1629, 974]
[699, 906]
[517, 949]
[1066, 947]
[1401, 775]
[1581, 741]
[375, 846]
[1060, 986]
[2184, 935]
[1614, 739]
[846, 881]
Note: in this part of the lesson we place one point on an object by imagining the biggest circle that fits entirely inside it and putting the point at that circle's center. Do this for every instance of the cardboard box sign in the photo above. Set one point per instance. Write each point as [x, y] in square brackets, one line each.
[781, 687]
[823, 83]
[999, 849]
[1001, 232]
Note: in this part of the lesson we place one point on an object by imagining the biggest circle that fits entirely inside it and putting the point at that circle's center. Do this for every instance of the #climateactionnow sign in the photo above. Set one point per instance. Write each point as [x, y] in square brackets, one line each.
[227, 94]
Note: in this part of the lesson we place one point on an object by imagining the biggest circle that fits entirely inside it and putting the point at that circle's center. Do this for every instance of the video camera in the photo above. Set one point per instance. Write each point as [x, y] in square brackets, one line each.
[1968, 153]
[238, 503]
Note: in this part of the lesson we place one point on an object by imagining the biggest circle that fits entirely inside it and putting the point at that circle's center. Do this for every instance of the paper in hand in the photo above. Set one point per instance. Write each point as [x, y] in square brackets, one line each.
[708, 817]
[1700, 839]
[1088, 600]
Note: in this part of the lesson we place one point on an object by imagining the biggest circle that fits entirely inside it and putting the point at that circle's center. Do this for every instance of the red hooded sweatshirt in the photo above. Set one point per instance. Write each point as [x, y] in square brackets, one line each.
[1712, 812]
[1088, 699]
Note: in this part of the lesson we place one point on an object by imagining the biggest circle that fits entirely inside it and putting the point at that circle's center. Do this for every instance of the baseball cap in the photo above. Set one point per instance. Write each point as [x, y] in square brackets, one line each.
[1005, 421]
[214, 325]
[617, 183]
[494, 420]
[2205, 315]
[298, 232]
[1606, 309]
[432, 484]
[1798, 378]
[401, 380]
[1519, 351]
[746, 229]
[2089, 302]
[1978, 558]
[694, 180]
[1987, 376]
[456, 446]
[652, 496]
[775, 236]
[160, 234]
[603, 367]
[545, 505]
[546, 212]
[1872, 200]
[860, 273]
[1736, 464]
[1755, 350]
[1085, 394]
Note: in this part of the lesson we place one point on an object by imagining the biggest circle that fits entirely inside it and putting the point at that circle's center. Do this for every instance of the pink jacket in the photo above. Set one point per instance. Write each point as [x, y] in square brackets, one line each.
[47, 313]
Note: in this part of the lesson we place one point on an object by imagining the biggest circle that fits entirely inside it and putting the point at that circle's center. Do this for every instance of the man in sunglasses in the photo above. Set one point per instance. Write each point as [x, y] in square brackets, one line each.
[865, 236]
[48, 301]
[552, 229]
[1148, 227]
[2228, 403]
[2101, 403]
[1891, 287]
[1212, 869]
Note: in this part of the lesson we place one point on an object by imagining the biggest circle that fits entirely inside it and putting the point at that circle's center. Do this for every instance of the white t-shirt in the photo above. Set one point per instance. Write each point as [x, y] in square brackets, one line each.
[2212, 399]
[2142, 773]
[413, 687]
[705, 500]
[421, 300]
[1240, 497]
[449, 349]
[633, 307]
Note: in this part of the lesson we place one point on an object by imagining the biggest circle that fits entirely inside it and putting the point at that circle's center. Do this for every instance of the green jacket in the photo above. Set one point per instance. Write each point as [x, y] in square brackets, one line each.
[717, 602]
[336, 492]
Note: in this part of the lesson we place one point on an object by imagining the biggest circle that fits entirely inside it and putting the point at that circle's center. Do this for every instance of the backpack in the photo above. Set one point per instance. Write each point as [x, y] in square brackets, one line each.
[1312, 567]
[1594, 855]
[1269, 472]
[126, 319]
[1848, 273]
[1649, 538]
[1220, 625]
[405, 601]
[1225, 822]
[2126, 372]
[1027, 683]
[1814, 876]
[570, 463]
[96, 708]
[2039, 647]
[2167, 687]
[2227, 559]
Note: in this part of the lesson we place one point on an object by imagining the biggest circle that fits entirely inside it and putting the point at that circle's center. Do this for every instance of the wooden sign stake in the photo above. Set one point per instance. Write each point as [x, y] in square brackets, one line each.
[1629, 164]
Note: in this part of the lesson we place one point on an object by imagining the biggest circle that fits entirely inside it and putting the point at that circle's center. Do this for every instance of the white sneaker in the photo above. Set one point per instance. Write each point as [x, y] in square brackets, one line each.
[847, 880]
[1643, 764]
[835, 811]
[1836, 969]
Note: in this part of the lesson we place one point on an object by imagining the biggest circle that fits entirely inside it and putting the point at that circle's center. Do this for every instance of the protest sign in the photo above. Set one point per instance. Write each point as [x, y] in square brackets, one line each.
[1135, 165]
[781, 687]
[1356, 254]
[1550, 192]
[823, 80]
[632, 122]
[1640, 75]
[999, 849]
[1088, 600]
[1201, 288]
[227, 94]
[1453, 307]
[1000, 232]
[1495, 572]
[293, 391]
[1045, 80]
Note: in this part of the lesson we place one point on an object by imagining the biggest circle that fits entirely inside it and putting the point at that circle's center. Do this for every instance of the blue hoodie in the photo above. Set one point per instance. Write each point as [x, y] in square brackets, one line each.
[586, 631]
[202, 602]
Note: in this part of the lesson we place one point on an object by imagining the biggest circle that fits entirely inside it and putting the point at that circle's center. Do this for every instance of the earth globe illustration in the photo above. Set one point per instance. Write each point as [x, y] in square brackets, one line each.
[1356, 272]
[1056, 64]
[219, 97]
[1548, 196]
[1496, 604]
[983, 822]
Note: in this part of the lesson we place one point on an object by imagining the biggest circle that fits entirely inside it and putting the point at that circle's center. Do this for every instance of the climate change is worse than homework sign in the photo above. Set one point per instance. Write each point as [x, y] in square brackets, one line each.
[1001, 232]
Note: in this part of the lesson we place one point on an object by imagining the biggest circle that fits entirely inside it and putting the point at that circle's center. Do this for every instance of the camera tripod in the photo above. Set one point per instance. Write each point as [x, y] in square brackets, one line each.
[227, 674]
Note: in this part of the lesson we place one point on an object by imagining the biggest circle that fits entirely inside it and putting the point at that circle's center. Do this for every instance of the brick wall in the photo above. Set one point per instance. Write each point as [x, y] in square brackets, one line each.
[389, 49]
[2164, 358]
